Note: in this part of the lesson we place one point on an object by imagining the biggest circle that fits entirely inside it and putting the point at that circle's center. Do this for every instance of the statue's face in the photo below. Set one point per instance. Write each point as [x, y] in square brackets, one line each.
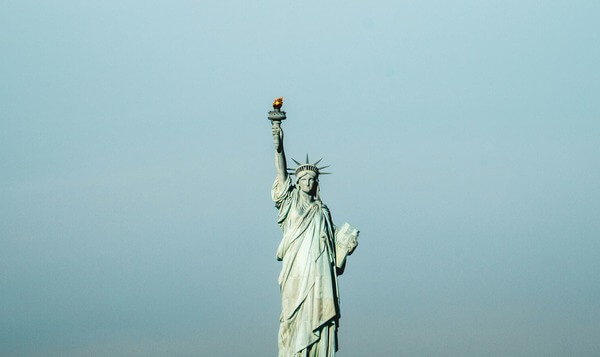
[308, 182]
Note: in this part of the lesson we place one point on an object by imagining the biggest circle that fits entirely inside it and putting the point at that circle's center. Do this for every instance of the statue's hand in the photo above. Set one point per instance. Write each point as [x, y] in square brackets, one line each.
[277, 136]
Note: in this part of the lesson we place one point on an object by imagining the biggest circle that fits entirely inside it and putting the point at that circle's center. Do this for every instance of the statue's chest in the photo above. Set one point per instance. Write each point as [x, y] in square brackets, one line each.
[302, 210]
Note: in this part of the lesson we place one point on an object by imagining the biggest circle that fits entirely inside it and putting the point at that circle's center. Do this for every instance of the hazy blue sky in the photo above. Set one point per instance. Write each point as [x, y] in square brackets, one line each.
[136, 165]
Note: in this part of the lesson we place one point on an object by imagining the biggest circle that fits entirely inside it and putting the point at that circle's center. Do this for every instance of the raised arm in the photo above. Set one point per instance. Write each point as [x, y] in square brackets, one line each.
[280, 163]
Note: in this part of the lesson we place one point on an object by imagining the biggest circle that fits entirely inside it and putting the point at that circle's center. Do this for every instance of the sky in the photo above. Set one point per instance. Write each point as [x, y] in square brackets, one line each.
[136, 162]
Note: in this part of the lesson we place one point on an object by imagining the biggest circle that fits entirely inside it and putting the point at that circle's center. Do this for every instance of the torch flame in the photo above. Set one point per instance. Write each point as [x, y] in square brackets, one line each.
[277, 103]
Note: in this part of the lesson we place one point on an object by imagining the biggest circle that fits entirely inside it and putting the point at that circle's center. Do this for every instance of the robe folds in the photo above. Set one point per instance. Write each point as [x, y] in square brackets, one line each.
[308, 278]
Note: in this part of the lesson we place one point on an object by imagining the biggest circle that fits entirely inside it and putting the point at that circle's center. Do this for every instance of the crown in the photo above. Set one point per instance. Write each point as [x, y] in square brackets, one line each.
[308, 167]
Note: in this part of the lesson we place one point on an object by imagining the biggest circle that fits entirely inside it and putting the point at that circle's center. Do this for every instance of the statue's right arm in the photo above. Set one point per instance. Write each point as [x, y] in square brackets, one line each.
[280, 163]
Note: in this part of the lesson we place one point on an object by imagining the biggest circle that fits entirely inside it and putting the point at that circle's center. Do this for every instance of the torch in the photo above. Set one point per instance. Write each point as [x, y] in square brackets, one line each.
[277, 115]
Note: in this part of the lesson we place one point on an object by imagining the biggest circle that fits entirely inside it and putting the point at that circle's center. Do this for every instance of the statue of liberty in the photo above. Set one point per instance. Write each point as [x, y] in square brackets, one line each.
[313, 253]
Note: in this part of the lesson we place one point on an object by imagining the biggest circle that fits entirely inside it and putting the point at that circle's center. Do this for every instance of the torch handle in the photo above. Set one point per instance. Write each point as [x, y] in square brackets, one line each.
[277, 137]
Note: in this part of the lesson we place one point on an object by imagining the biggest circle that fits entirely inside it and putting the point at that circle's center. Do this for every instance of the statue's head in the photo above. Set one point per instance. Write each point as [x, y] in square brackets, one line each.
[308, 181]
[307, 176]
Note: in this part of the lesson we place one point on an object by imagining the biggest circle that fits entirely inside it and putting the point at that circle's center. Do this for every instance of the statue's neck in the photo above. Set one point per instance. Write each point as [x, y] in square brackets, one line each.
[306, 197]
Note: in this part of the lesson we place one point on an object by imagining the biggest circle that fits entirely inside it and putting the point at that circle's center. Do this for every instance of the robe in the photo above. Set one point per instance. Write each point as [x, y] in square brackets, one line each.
[308, 278]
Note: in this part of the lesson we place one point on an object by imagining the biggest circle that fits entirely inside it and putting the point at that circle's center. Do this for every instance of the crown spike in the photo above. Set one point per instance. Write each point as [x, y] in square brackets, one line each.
[308, 166]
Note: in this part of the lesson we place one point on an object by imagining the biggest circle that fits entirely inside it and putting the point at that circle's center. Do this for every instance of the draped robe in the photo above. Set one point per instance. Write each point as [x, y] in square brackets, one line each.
[308, 278]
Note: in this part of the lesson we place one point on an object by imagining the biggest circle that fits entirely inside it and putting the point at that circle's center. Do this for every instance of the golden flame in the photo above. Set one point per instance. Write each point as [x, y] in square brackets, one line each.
[277, 103]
